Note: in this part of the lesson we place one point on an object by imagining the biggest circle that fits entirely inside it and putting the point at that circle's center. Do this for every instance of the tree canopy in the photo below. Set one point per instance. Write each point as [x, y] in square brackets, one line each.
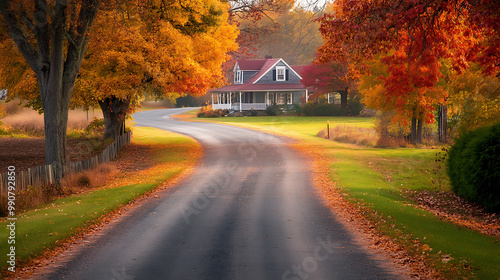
[328, 78]
[163, 46]
[409, 41]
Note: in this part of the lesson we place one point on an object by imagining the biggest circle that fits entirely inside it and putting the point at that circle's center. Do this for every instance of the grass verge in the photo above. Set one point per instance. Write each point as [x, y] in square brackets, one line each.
[371, 179]
[44, 228]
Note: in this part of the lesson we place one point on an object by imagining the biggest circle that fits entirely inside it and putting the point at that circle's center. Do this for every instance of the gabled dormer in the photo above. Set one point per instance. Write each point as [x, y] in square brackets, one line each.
[279, 72]
[238, 74]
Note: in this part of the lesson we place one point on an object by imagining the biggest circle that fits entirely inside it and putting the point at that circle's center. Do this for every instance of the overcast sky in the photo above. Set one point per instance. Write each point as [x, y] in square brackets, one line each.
[308, 2]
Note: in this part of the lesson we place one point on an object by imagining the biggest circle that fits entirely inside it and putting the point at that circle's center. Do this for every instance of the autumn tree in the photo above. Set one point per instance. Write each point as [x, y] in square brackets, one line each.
[474, 100]
[295, 36]
[52, 37]
[328, 78]
[132, 53]
[411, 38]
[166, 48]
[248, 16]
[279, 28]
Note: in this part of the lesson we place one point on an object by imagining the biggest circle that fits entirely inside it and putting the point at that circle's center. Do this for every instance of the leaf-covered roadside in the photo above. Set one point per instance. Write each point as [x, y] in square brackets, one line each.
[415, 237]
[354, 217]
[451, 207]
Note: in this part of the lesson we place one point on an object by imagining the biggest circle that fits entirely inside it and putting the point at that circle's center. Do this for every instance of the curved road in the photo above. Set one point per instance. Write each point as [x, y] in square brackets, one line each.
[247, 212]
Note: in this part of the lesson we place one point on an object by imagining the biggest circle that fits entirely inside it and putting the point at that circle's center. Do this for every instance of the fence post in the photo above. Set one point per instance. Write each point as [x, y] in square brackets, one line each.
[328, 129]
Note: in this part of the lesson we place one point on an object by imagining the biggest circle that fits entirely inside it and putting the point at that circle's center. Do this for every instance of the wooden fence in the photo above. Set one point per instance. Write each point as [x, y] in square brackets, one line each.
[43, 175]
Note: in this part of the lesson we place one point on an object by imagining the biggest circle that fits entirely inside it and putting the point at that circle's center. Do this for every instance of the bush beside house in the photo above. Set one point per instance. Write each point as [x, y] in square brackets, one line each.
[208, 112]
[354, 107]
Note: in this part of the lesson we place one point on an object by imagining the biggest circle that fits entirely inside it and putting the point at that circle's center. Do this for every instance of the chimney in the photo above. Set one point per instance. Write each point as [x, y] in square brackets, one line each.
[268, 56]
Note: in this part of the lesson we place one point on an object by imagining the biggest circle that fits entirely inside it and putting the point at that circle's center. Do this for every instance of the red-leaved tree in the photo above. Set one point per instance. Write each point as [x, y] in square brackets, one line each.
[411, 38]
[328, 78]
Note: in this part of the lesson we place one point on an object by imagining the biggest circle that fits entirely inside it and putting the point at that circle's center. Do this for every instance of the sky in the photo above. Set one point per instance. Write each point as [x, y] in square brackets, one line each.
[306, 2]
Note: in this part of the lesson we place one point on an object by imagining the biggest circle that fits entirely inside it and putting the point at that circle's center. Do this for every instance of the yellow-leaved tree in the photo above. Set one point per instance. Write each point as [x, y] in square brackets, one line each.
[167, 47]
[132, 52]
[474, 100]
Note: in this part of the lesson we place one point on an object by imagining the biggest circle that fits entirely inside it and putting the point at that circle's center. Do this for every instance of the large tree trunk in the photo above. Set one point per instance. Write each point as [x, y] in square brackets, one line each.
[443, 123]
[413, 132]
[56, 119]
[114, 111]
[55, 103]
[343, 97]
[419, 131]
[55, 57]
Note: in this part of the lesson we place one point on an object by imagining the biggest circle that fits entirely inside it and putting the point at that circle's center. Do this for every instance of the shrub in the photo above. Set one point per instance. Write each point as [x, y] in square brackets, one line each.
[355, 106]
[297, 109]
[312, 109]
[308, 109]
[474, 166]
[96, 127]
[253, 112]
[208, 112]
[323, 110]
[273, 110]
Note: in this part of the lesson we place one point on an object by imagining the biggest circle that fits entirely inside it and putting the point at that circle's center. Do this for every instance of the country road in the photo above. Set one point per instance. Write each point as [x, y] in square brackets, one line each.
[248, 211]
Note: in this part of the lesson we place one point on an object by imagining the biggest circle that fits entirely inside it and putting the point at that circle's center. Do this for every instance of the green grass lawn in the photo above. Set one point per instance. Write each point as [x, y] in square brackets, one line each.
[294, 126]
[373, 178]
[38, 230]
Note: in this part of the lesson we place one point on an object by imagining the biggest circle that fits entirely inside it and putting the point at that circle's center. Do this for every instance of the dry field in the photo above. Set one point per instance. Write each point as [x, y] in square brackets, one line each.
[27, 149]
[27, 120]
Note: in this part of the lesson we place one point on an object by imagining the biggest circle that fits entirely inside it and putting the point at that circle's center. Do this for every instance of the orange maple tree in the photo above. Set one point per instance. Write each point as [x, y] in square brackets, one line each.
[136, 53]
[410, 38]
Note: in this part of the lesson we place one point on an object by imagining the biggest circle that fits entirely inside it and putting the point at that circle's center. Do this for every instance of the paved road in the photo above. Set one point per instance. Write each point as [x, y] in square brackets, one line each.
[248, 212]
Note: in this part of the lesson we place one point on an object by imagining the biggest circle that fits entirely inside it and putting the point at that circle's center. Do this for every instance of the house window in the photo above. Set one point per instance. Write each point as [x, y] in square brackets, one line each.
[282, 99]
[248, 97]
[289, 99]
[238, 77]
[281, 73]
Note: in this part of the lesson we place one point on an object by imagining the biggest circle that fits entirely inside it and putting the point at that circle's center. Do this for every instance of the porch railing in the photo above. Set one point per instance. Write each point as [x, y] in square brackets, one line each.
[244, 106]
[254, 106]
[221, 106]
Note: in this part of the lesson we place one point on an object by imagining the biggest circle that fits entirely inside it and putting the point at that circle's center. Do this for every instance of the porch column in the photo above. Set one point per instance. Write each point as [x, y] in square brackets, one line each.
[328, 98]
[267, 98]
[229, 93]
[307, 95]
[240, 101]
[212, 99]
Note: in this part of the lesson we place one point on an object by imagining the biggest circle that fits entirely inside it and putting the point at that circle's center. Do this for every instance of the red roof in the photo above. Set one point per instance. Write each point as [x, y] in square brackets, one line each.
[262, 66]
[251, 65]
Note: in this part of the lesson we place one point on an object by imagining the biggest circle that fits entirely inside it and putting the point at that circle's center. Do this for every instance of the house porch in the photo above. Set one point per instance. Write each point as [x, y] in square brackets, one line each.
[244, 101]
